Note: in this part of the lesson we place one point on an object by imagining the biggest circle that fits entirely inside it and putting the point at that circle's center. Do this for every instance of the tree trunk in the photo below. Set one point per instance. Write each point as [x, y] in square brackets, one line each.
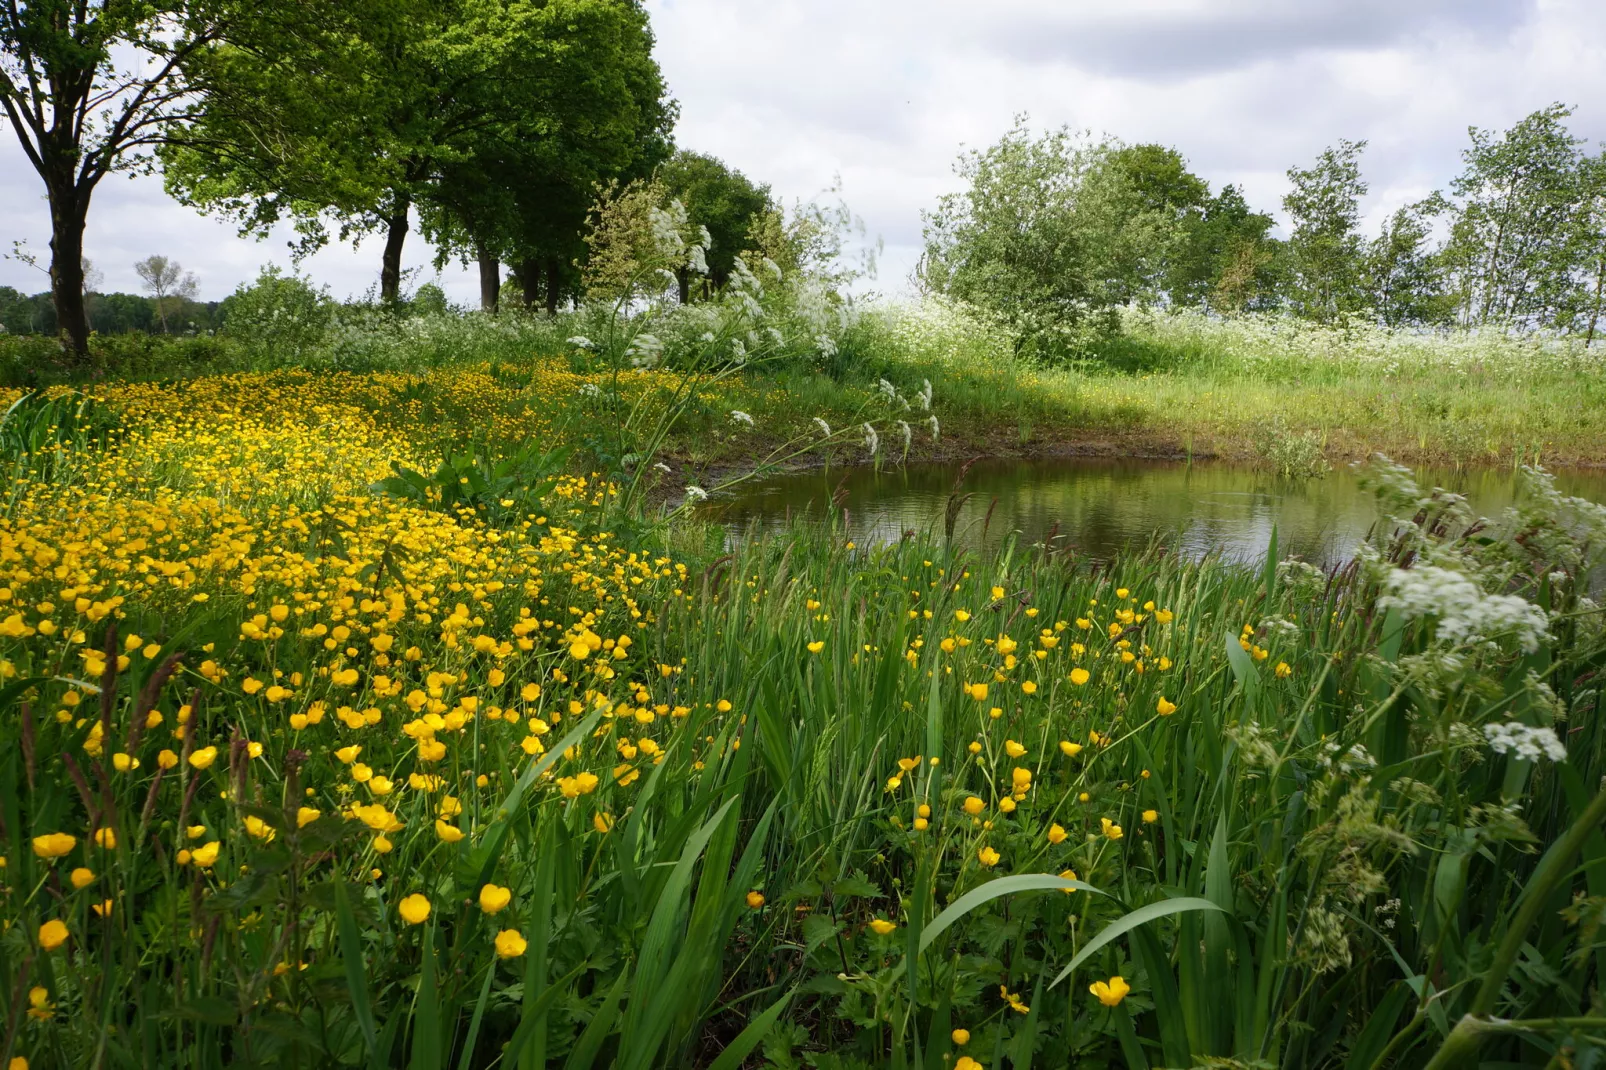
[683, 275]
[528, 274]
[554, 271]
[68, 210]
[390, 267]
[490, 282]
[1594, 313]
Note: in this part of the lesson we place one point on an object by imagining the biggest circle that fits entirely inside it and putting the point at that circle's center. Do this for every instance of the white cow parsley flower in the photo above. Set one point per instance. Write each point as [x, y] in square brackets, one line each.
[1525, 741]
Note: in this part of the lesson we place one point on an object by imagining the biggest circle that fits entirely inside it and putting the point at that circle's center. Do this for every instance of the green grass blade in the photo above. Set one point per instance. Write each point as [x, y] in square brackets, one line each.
[589, 1046]
[1243, 669]
[427, 1024]
[490, 850]
[1022, 882]
[750, 1037]
[1128, 922]
[351, 953]
[466, 1058]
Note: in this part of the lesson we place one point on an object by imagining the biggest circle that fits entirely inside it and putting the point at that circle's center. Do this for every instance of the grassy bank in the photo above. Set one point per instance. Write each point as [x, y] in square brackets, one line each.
[298, 772]
[1258, 390]
[1174, 385]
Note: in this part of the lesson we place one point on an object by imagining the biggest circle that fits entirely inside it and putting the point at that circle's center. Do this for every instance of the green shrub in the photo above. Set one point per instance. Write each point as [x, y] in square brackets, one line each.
[279, 319]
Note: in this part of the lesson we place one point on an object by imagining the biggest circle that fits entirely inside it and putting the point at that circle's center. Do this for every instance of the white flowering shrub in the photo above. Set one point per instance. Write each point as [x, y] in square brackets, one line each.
[1285, 348]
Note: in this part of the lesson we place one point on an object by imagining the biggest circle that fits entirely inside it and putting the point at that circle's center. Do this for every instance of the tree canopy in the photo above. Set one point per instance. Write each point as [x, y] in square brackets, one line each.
[722, 200]
[493, 117]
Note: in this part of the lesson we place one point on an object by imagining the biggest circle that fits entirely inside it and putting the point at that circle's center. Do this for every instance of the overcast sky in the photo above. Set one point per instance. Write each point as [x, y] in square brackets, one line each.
[884, 93]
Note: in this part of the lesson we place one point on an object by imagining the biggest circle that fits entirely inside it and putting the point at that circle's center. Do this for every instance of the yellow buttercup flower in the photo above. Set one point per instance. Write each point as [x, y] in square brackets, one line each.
[1150, 816]
[755, 900]
[1111, 992]
[205, 856]
[1013, 749]
[988, 857]
[1164, 708]
[510, 944]
[1110, 828]
[1080, 676]
[1057, 834]
[1069, 749]
[53, 844]
[52, 934]
[203, 758]
[882, 926]
[414, 909]
[961, 1037]
[816, 646]
[82, 878]
[494, 898]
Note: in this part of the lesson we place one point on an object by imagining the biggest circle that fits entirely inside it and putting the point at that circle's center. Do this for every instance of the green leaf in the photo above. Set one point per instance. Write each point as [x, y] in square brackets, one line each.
[1021, 882]
[750, 1037]
[589, 1046]
[351, 951]
[467, 1057]
[1128, 922]
[210, 1010]
[817, 929]
[427, 1022]
[489, 851]
[1243, 668]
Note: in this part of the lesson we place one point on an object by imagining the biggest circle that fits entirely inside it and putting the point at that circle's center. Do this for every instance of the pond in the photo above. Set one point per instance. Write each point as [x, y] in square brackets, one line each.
[1097, 507]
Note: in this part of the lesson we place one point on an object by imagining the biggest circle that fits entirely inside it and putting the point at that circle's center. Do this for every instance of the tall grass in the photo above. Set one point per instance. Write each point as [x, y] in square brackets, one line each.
[1171, 379]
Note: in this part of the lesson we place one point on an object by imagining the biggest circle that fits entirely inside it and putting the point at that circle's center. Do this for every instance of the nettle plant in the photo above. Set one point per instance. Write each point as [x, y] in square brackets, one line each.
[638, 250]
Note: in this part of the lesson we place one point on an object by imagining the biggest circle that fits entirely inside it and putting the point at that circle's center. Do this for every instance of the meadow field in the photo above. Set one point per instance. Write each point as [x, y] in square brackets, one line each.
[390, 709]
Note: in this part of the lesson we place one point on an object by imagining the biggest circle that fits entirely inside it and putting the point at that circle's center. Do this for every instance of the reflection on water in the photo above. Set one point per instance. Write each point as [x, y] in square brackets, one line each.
[1098, 507]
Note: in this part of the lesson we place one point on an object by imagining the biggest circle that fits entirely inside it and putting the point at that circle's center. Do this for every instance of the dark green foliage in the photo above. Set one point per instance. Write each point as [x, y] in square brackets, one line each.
[1226, 260]
[717, 197]
[497, 489]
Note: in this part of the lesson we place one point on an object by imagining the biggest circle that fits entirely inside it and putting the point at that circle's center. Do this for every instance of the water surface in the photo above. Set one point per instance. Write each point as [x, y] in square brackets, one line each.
[1098, 507]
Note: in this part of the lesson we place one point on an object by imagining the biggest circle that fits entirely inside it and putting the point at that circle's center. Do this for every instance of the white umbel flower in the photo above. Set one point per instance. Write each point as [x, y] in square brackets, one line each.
[1525, 741]
[1465, 613]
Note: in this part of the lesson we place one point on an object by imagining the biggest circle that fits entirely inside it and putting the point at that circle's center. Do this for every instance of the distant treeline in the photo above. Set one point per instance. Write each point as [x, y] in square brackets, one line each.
[114, 313]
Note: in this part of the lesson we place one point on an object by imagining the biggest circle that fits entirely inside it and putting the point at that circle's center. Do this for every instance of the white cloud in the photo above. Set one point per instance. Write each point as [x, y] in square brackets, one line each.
[884, 94]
